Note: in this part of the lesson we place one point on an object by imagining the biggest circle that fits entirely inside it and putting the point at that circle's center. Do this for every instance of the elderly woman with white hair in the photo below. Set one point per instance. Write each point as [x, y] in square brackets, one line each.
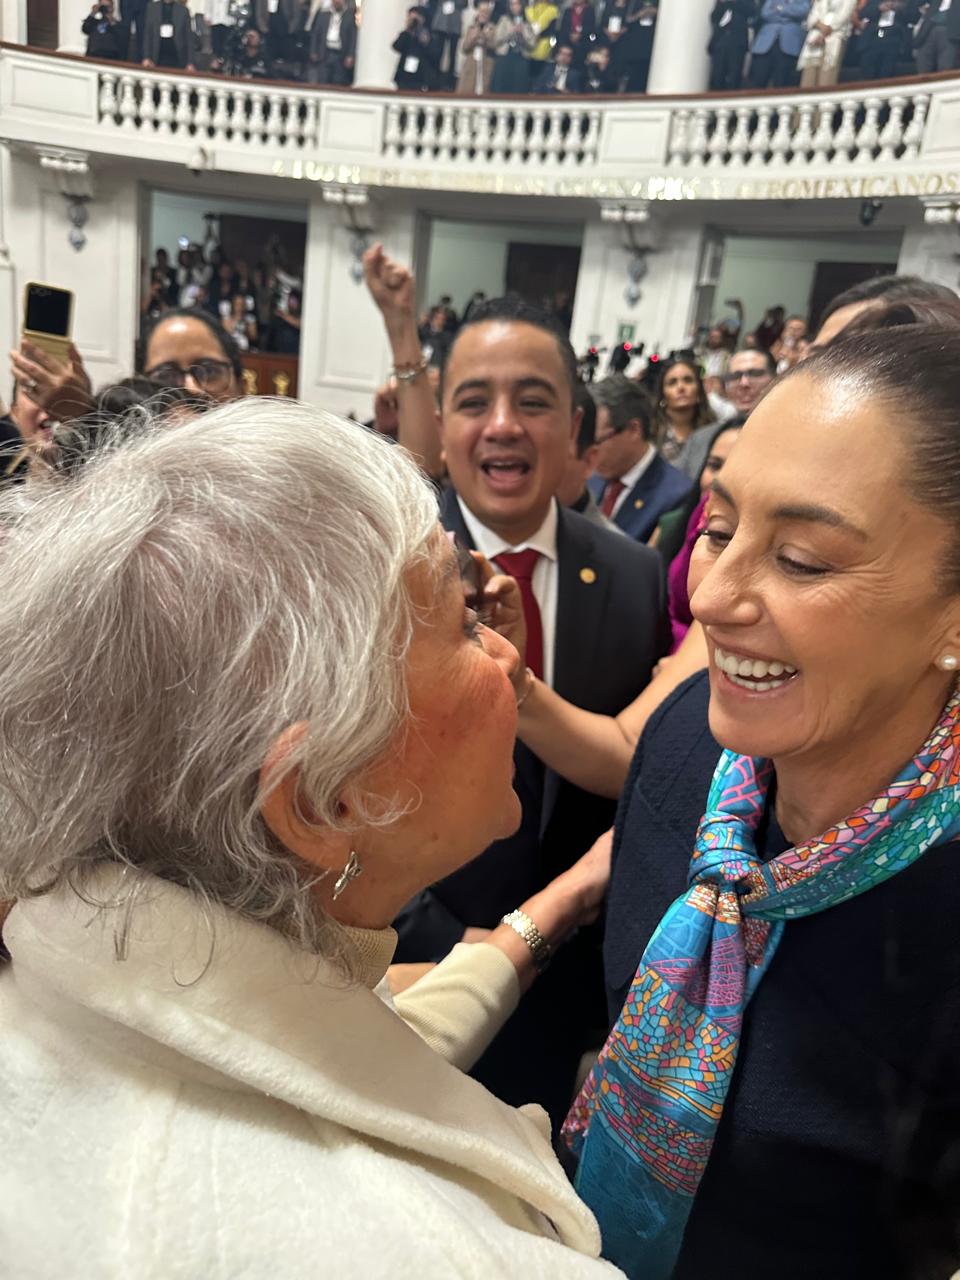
[246, 716]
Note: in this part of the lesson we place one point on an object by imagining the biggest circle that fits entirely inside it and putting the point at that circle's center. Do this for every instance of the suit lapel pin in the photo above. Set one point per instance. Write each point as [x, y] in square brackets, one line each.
[588, 576]
[639, 503]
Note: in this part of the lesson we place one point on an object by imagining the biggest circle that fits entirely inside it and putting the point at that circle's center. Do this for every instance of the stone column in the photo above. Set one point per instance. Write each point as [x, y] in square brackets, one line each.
[679, 63]
[381, 21]
[13, 21]
[70, 16]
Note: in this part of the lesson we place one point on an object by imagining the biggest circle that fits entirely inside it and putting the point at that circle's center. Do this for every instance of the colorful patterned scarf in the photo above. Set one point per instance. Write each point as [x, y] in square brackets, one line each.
[644, 1122]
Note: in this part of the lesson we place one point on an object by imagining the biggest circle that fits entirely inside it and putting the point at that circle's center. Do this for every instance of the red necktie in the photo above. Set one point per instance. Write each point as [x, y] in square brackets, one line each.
[520, 565]
[611, 493]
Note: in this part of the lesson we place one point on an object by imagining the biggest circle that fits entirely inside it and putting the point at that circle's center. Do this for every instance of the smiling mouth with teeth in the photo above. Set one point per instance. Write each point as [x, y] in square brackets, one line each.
[505, 464]
[756, 674]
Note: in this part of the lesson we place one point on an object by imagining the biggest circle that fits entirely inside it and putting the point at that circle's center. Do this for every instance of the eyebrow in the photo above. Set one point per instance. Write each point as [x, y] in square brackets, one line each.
[523, 384]
[808, 512]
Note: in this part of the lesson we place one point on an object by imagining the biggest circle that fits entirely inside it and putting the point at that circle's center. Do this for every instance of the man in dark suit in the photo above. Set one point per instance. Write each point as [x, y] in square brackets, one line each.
[578, 27]
[632, 483]
[277, 21]
[333, 45]
[559, 76]
[167, 36]
[731, 21]
[936, 37]
[593, 602]
[885, 37]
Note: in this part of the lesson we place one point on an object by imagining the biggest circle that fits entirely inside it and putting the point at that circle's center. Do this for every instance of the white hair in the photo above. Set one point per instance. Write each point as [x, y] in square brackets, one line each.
[167, 613]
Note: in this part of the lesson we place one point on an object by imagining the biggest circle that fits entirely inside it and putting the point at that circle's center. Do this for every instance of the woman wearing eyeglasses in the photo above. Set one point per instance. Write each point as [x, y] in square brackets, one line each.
[188, 348]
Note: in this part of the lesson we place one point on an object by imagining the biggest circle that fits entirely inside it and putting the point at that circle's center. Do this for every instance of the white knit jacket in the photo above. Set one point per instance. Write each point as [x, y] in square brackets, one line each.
[162, 1118]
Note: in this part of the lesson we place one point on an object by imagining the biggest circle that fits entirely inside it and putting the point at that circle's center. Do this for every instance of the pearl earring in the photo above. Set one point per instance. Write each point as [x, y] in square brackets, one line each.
[948, 662]
[347, 875]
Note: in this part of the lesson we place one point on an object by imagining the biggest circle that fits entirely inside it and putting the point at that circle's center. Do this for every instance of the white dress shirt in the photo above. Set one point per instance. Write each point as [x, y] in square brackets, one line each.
[333, 30]
[630, 478]
[545, 574]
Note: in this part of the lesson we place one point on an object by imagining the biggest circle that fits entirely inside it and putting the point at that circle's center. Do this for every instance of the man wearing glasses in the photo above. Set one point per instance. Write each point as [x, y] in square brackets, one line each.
[632, 483]
[747, 378]
[187, 348]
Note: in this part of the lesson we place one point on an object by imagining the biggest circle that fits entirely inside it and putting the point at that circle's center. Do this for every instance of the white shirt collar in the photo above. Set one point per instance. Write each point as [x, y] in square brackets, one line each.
[631, 477]
[491, 545]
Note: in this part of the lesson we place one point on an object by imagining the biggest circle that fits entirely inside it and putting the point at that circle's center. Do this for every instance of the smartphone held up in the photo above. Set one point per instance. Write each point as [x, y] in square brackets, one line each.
[48, 318]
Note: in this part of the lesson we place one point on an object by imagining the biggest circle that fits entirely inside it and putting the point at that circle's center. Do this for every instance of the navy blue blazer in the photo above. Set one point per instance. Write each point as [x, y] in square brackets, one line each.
[661, 488]
[544, 81]
[611, 631]
[838, 1155]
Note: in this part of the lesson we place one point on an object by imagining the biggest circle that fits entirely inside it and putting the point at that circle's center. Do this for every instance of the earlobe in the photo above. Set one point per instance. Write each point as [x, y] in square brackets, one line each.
[286, 815]
[947, 658]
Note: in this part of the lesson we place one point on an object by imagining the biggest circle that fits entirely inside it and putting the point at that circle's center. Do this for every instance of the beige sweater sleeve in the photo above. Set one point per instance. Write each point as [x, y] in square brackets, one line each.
[459, 1006]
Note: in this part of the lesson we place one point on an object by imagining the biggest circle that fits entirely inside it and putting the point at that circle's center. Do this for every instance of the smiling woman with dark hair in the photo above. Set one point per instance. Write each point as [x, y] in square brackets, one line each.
[782, 968]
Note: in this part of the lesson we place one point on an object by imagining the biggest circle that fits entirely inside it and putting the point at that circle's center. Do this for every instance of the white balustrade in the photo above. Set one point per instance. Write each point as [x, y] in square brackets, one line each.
[465, 144]
[740, 141]
[868, 137]
[891, 136]
[782, 139]
[679, 145]
[164, 116]
[845, 141]
[107, 98]
[183, 117]
[803, 134]
[823, 142]
[699, 138]
[718, 145]
[221, 118]
[914, 134]
[760, 142]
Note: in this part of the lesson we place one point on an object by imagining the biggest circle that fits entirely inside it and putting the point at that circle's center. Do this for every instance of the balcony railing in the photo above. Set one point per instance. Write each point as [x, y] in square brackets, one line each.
[899, 138]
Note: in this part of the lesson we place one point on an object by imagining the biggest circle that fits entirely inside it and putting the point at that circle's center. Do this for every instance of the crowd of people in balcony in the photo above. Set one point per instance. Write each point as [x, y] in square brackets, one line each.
[260, 307]
[514, 47]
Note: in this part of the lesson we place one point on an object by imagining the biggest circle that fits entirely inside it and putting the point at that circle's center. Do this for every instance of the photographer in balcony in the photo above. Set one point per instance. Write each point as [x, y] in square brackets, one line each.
[107, 37]
[419, 63]
[477, 71]
[251, 62]
[167, 36]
